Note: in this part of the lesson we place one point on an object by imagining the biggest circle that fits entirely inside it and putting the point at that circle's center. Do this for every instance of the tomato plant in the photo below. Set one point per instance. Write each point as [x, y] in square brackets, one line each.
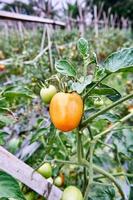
[89, 105]
[67, 109]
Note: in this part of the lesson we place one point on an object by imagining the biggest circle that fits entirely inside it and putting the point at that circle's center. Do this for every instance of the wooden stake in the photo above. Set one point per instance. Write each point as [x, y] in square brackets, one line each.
[22, 172]
[21, 17]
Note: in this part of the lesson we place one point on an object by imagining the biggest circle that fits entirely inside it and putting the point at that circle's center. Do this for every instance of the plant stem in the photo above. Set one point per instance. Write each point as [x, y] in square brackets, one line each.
[115, 174]
[98, 169]
[113, 126]
[86, 121]
[91, 138]
[96, 84]
[43, 141]
[63, 146]
[79, 150]
[108, 175]
[85, 60]
[92, 146]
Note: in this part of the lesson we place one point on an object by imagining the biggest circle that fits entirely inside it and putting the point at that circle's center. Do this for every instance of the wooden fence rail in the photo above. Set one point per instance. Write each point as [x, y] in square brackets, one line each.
[28, 18]
[22, 172]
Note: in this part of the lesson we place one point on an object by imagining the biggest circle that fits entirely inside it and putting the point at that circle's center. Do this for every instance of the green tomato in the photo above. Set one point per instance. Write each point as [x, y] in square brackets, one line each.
[45, 170]
[98, 102]
[30, 196]
[72, 193]
[50, 180]
[58, 181]
[47, 93]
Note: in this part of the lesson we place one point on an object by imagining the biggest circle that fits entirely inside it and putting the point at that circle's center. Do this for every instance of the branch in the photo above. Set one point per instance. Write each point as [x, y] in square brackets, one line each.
[21, 171]
[86, 121]
[98, 169]
[113, 126]
[92, 146]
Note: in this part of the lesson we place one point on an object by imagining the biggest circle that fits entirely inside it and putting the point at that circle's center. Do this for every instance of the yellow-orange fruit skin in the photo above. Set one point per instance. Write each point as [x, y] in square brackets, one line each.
[66, 110]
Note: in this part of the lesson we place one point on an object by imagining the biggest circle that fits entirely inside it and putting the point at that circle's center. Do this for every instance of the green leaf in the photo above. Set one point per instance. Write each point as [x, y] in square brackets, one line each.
[9, 187]
[17, 91]
[41, 132]
[103, 89]
[2, 137]
[110, 117]
[102, 192]
[79, 87]
[66, 68]
[131, 193]
[120, 61]
[6, 119]
[83, 46]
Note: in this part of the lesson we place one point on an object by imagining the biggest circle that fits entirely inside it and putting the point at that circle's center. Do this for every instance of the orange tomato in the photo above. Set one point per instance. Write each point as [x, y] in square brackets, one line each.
[66, 110]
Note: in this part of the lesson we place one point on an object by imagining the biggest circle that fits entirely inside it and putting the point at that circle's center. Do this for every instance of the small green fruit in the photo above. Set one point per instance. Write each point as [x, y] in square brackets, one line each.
[72, 193]
[30, 196]
[98, 102]
[47, 93]
[50, 180]
[45, 170]
[58, 181]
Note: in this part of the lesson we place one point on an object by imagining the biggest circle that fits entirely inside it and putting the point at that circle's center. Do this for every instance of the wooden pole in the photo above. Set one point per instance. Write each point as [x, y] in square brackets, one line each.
[22, 172]
[21, 17]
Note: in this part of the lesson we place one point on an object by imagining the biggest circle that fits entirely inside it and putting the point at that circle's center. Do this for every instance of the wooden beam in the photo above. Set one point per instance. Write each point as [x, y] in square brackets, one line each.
[22, 172]
[29, 18]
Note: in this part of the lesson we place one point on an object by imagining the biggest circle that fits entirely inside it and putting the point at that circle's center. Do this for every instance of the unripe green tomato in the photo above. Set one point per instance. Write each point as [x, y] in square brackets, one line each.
[45, 170]
[47, 93]
[58, 181]
[50, 180]
[72, 193]
[98, 102]
[30, 196]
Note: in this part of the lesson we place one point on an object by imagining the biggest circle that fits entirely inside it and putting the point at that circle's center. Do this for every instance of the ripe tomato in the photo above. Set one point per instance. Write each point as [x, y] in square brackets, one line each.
[66, 110]
[59, 180]
[47, 93]
[45, 170]
[73, 193]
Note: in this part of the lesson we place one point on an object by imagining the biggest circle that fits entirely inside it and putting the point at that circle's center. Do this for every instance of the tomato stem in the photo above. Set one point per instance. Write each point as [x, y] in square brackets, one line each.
[98, 169]
[79, 146]
[92, 146]
[106, 174]
[86, 62]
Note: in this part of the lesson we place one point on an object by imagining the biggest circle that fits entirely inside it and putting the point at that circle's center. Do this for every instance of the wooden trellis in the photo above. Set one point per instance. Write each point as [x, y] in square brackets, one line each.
[22, 172]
